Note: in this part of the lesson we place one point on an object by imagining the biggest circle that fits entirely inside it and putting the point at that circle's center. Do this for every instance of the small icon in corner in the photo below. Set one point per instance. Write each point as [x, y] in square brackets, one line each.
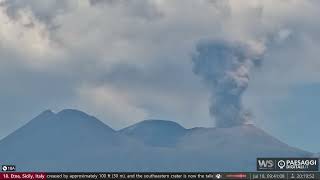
[218, 176]
[292, 176]
[281, 164]
[4, 168]
[8, 168]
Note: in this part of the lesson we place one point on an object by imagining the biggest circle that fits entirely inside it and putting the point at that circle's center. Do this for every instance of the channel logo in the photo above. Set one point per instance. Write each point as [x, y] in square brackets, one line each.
[287, 164]
[281, 164]
[6, 168]
[264, 164]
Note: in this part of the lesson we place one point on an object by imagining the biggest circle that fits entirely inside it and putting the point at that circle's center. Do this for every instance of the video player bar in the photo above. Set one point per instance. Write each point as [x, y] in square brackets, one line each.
[162, 175]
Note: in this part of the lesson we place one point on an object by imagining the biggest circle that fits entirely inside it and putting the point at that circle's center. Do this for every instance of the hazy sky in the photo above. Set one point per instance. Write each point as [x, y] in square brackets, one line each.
[125, 61]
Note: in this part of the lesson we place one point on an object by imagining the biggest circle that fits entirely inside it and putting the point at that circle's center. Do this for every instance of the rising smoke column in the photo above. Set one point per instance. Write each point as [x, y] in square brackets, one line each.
[225, 68]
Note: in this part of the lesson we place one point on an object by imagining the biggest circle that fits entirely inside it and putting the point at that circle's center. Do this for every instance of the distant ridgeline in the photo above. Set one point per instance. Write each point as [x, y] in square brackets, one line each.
[74, 141]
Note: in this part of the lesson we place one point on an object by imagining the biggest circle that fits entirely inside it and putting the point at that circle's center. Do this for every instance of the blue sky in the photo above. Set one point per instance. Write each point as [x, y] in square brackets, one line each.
[125, 61]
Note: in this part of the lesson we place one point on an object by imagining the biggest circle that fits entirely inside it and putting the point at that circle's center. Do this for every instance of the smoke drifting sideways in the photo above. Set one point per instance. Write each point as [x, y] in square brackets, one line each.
[225, 68]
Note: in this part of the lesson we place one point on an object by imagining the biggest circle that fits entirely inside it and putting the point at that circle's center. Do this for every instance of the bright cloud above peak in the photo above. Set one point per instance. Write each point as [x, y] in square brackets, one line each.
[138, 53]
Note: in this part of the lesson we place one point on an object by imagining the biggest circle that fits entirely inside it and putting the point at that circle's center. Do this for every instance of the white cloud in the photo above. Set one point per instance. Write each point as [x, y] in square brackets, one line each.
[110, 104]
[26, 40]
[81, 45]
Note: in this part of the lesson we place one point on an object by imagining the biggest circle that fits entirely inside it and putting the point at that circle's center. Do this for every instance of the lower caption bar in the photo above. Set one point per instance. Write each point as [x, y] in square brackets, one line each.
[95, 176]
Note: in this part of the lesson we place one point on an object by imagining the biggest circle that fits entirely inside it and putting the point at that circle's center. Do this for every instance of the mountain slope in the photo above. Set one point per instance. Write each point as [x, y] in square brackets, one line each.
[231, 148]
[69, 127]
[156, 132]
[317, 155]
[74, 141]
[68, 139]
[247, 136]
[209, 149]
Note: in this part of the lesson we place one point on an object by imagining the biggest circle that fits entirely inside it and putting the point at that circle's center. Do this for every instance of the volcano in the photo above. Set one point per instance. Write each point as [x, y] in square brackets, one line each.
[72, 140]
[159, 133]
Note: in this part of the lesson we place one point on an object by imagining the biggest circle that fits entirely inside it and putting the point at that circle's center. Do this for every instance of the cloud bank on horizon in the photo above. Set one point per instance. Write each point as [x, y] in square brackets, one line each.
[130, 60]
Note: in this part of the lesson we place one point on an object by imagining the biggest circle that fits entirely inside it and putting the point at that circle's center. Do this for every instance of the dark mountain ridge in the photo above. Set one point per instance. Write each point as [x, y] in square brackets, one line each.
[74, 141]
